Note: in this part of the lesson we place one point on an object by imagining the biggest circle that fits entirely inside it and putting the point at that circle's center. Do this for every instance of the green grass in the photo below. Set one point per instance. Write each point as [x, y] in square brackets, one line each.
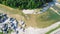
[9, 31]
[1, 33]
[43, 20]
[53, 29]
[46, 19]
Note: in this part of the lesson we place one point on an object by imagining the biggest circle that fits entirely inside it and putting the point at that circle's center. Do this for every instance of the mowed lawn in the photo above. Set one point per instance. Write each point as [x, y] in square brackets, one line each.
[35, 20]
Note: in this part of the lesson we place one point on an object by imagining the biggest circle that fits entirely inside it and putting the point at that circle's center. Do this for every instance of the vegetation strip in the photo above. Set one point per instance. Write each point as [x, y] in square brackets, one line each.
[25, 4]
[53, 29]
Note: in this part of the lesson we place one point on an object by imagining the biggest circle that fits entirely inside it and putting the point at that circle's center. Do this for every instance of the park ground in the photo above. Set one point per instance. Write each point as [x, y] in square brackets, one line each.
[35, 20]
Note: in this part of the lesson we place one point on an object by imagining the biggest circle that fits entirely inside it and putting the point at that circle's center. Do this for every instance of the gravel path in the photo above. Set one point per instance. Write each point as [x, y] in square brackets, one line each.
[56, 31]
[32, 30]
[28, 11]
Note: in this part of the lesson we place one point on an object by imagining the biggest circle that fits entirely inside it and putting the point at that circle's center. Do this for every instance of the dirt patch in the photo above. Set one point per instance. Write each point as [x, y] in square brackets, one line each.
[32, 20]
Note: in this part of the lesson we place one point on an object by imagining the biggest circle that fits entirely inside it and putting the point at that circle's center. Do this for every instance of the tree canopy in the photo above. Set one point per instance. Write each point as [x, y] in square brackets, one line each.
[24, 4]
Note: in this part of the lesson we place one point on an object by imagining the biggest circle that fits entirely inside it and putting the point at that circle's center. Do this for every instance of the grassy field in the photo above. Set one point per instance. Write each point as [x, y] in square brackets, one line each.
[34, 20]
[43, 20]
[1, 33]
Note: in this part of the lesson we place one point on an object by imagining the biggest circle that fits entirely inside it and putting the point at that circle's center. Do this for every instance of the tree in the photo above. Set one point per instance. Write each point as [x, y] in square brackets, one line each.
[24, 4]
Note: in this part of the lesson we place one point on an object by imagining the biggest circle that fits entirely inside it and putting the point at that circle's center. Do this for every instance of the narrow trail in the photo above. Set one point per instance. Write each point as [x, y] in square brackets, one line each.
[54, 10]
